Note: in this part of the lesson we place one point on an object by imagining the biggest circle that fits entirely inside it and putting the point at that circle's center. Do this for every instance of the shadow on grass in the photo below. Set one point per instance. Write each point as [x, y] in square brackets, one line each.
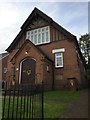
[55, 102]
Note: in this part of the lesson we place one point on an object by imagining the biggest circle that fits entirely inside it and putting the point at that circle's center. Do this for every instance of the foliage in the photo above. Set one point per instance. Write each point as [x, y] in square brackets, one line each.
[84, 42]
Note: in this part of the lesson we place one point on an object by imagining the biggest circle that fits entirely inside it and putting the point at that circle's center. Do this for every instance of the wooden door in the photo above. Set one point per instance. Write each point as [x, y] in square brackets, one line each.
[28, 67]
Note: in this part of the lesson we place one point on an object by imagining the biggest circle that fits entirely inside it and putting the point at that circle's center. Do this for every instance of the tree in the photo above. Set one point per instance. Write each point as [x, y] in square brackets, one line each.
[84, 43]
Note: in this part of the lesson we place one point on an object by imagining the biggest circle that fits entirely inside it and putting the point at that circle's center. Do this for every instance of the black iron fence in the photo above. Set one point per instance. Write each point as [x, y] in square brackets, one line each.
[23, 102]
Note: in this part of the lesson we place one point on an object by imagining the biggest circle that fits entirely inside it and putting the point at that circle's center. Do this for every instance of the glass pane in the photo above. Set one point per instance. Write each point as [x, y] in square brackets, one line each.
[39, 30]
[39, 38]
[59, 61]
[47, 36]
[28, 33]
[28, 37]
[58, 54]
[31, 38]
[35, 31]
[46, 28]
[43, 37]
[35, 39]
[40, 35]
[43, 29]
[31, 32]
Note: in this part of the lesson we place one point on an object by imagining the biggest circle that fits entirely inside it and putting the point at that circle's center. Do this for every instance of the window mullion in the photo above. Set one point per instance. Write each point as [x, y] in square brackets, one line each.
[37, 36]
[62, 58]
[41, 35]
[48, 35]
[34, 36]
[45, 36]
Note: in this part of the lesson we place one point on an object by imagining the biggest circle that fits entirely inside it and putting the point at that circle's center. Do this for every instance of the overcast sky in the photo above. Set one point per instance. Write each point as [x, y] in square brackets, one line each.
[73, 16]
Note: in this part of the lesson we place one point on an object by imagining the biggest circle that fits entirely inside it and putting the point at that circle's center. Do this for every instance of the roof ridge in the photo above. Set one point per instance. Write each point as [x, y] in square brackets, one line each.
[38, 11]
[47, 18]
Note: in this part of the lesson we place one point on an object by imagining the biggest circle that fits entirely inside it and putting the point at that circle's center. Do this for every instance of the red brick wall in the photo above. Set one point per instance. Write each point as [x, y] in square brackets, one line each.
[3, 68]
[48, 74]
[41, 66]
[34, 54]
[61, 75]
[71, 68]
[0, 69]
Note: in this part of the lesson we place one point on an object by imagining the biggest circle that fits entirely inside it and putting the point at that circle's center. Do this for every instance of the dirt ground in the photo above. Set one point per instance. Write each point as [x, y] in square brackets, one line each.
[78, 108]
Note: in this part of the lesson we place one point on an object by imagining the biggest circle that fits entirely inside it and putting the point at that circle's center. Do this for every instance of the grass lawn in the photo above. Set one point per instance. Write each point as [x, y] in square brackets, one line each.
[22, 107]
[55, 102]
[0, 107]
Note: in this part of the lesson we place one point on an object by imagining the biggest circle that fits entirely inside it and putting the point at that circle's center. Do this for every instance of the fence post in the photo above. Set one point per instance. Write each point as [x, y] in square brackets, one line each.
[16, 100]
[42, 100]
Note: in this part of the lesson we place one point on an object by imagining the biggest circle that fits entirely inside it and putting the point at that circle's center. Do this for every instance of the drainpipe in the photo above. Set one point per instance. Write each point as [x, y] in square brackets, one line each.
[13, 72]
[53, 84]
[42, 69]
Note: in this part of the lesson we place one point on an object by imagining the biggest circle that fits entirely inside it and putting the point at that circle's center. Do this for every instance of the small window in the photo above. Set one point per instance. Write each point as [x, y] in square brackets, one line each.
[58, 59]
[47, 68]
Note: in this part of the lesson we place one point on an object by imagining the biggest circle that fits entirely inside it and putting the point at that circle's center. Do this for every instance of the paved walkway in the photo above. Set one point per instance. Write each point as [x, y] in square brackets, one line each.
[78, 108]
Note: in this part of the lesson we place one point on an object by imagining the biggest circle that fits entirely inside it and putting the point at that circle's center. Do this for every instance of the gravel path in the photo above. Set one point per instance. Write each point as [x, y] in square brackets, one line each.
[78, 108]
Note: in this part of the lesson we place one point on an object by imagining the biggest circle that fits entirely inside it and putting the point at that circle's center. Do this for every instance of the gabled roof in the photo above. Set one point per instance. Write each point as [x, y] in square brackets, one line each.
[37, 48]
[34, 13]
[51, 22]
[46, 18]
[14, 41]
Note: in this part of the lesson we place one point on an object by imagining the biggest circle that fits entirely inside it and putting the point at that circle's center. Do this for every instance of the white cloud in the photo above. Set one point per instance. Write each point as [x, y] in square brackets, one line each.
[73, 17]
[43, 1]
[11, 19]
[13, 15]
[8, 15]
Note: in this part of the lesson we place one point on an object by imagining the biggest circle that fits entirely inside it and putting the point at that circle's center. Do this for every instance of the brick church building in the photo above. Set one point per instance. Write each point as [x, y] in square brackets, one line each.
[44, 51]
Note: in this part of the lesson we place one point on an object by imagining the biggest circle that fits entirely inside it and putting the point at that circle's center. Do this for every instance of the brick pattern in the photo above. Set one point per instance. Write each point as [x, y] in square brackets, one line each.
[73, 66]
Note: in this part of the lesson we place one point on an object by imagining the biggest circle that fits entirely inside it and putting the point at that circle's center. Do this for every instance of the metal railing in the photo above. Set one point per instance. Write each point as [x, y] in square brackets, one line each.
[23, 102]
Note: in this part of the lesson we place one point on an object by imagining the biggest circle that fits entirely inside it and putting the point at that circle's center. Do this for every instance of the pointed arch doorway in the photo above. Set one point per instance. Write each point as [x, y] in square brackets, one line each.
[27, 71]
